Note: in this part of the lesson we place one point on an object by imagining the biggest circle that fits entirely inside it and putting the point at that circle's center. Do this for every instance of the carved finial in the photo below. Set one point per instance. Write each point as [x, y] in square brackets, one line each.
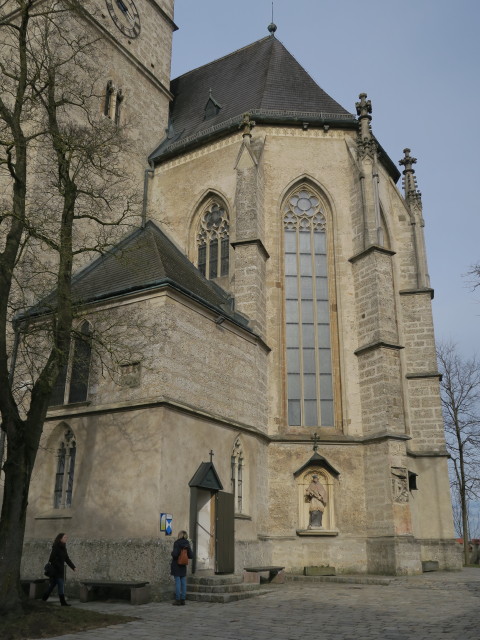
[364, 107]
[272, 27]
[366, 141]
[247, 125]
[412, 194]
[315, 440]
[211, 455]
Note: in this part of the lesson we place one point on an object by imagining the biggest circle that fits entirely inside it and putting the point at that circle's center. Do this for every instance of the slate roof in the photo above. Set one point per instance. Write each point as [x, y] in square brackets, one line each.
[146, 259]
[263, 79]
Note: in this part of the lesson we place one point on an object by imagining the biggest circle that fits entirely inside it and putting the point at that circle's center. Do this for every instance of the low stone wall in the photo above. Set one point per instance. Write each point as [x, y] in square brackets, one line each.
[448, 553]
[123, 560]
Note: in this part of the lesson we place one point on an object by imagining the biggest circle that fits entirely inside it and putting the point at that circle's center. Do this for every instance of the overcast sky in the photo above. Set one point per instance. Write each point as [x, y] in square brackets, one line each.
[418, 61]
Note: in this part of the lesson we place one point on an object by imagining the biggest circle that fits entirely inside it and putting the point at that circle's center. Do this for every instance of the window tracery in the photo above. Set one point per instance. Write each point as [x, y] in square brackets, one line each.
[62, 498]
[213, 244]
[307, 309]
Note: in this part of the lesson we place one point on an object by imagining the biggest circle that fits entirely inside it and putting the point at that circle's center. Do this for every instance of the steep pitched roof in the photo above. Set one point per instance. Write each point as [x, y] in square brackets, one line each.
[263, 79]
[146, 259]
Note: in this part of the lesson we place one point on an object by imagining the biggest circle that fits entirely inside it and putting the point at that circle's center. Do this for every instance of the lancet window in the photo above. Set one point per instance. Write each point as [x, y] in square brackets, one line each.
[65, 471]
[112, 105]
[72, 382]
[237, 468]
[308, 341]
[213, 244]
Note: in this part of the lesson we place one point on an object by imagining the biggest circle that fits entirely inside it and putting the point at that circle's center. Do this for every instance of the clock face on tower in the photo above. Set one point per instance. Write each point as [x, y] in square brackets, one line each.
[125, 15]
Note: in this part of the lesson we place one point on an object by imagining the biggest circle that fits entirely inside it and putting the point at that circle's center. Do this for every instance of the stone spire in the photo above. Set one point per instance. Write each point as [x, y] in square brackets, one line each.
[367, 157]
[412, 194]
[413, 198]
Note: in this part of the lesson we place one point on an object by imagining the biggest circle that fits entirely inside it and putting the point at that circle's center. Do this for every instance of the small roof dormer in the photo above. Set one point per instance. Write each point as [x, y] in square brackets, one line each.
[212, 108]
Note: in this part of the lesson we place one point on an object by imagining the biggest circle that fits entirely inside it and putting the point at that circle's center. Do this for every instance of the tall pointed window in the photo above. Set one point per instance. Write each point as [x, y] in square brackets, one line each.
[62, 498]
[107, 105]
[213, 241]
[72, 382]
[309, 360]
[118, 106]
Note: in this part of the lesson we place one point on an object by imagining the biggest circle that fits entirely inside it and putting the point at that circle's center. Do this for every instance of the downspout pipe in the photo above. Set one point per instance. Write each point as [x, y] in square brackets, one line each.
[150, 171]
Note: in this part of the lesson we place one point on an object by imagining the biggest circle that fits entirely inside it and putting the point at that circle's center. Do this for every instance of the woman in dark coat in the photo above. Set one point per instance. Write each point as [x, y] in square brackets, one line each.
[58, 558]
[179, 571]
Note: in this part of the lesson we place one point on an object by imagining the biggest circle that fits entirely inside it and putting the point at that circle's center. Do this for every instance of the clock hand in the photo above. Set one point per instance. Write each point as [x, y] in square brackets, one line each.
[124, 9]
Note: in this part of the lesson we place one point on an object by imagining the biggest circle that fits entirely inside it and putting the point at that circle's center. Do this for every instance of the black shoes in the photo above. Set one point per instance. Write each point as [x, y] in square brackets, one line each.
[63, 602]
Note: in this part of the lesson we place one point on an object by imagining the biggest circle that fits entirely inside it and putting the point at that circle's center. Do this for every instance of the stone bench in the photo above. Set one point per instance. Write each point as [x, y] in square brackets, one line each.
[35, 587]
[275, 574]
[139, 591]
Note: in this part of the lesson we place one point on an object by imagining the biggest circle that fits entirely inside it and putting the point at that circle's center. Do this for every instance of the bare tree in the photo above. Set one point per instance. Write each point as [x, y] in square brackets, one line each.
[64, 197]
[474, 273]
[460, 391]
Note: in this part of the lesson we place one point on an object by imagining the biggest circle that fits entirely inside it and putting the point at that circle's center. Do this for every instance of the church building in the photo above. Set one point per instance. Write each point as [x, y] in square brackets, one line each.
[279, 396]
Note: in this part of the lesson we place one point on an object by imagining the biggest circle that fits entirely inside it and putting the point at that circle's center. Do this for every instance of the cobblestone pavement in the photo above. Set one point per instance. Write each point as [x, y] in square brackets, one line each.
[433, 606]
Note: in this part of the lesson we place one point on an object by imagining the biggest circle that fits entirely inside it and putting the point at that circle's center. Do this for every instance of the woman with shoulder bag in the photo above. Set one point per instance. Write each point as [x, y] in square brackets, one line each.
[57, 560]
[180, 554]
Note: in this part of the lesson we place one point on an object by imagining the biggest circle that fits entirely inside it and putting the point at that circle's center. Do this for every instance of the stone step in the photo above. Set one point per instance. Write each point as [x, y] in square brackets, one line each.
[215, 580]
[225, 597]
[382, 580]
[219, 588]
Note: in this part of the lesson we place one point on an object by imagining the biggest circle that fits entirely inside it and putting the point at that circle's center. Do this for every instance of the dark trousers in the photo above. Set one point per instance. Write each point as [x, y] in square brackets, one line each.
[55, 582]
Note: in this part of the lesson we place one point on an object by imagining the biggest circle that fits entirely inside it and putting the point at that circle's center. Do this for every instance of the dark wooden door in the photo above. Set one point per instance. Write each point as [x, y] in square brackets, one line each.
[224, 532]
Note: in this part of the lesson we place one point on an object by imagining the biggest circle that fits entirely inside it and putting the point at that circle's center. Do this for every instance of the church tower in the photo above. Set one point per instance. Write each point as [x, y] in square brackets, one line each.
[137, 48]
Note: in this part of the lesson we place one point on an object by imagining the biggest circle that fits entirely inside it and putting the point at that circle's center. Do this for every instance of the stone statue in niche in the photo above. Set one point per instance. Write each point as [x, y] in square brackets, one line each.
[400, 485]
[316, 495]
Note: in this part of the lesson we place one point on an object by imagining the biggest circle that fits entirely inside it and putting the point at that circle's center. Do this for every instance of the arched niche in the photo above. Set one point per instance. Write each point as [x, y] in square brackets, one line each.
[327, 477]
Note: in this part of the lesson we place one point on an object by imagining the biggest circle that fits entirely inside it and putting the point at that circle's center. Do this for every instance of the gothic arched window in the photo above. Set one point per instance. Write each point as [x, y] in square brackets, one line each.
[213, 242]
[62, 497]
[72, 382]
[107, 107]
[309, 359]
[118, 106]
[237, 463]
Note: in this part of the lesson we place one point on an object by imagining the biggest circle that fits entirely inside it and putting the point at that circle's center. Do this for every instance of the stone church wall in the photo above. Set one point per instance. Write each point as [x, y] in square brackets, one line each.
[131, 466]
[183, 355]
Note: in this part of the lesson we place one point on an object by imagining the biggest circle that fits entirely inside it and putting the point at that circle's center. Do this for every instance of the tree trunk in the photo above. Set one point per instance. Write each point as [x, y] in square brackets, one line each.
[18, 470]
[466, 555]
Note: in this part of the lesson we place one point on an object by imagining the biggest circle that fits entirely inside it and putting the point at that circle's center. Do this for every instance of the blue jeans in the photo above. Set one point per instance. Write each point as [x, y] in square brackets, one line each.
[180, 587]
[56, 582]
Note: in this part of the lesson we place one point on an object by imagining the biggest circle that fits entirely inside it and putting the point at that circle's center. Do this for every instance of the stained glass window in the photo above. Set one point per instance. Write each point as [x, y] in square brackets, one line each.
[62, 496]
[213, 244]
[309, 360]
[72, 381]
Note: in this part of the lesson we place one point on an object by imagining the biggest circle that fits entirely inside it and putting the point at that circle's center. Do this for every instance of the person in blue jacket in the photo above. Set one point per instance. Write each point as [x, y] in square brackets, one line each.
[179, 571]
